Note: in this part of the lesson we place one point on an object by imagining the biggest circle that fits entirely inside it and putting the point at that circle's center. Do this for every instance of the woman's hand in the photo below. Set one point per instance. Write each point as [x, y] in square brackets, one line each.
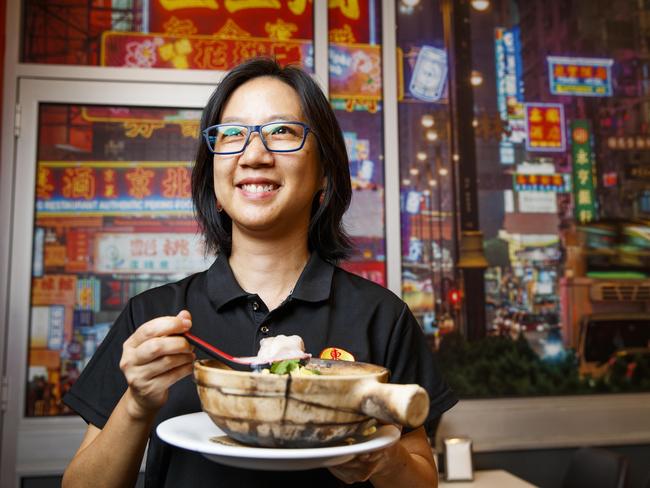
[363, 466]
[154, 358]
[408, 462]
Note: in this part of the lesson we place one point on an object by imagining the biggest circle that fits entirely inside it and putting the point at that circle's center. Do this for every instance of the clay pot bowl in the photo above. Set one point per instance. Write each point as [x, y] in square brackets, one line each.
[305, 411]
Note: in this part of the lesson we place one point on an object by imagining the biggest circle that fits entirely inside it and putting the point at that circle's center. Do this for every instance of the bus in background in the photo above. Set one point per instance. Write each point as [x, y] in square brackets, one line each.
[607, 272]
[610, 336]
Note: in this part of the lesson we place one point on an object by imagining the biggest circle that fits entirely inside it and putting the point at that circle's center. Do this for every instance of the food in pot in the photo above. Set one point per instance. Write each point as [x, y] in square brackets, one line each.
[290, 366]
[280, 348]
[285, 354]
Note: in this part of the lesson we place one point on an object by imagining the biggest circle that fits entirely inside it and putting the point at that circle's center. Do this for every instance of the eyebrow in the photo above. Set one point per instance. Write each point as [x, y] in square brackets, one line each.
[271, 118]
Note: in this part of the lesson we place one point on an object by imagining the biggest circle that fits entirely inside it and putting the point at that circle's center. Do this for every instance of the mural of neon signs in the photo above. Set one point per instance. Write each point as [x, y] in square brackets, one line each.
[545, 127]
[586, 77]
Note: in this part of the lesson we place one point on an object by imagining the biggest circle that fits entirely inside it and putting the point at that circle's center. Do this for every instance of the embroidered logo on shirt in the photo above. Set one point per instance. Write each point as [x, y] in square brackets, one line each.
[337, 354]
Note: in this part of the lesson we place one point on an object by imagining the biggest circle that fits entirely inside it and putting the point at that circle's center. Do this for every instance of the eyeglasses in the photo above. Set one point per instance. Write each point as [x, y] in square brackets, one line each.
[276, 137]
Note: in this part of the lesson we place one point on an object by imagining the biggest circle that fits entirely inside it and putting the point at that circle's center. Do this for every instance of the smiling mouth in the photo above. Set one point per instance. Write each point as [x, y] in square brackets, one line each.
[251, 188]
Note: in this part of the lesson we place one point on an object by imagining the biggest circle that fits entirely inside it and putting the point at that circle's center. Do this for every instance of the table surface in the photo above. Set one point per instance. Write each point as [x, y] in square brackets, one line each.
[488, 479]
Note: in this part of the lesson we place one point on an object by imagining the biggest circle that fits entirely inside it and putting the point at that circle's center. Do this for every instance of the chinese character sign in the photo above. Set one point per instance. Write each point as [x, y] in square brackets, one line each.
[275, 19]
[555, 182]
[510, 87]
[122, 253]
[545, 127]
[113, 188]
[218, 35]
[638, 142]
[133, 49]
[509, 66]
[54, 290]
[583, 179]
[214, 35]
[586, 77]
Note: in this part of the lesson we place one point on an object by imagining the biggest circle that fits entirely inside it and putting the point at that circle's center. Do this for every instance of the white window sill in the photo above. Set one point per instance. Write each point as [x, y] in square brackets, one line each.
[550, 422]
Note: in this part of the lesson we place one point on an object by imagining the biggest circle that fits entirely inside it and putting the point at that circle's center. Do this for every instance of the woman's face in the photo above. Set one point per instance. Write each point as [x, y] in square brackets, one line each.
[266, 192]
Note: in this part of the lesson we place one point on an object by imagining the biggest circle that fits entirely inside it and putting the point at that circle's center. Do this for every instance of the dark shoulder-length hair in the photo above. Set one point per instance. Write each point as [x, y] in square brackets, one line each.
[326, 234]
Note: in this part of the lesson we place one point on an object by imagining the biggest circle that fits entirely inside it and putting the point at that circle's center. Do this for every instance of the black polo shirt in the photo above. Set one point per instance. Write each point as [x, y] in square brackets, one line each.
[328, 307]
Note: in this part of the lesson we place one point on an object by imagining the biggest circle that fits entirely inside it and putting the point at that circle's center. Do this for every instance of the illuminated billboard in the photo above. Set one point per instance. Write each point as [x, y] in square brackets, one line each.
[555, 182]
[586, 77]
[510, 89]
[584, 205]
[429, 75]
[102, 188]
[545, 127]
[122, 253]
[537, 202]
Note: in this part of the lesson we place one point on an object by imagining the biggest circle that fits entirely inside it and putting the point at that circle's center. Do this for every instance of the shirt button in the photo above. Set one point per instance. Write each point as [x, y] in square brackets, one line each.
[264, 329]
[256, 306]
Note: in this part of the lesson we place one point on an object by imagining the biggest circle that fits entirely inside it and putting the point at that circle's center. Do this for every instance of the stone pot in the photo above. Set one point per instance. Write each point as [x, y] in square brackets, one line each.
[271, 410]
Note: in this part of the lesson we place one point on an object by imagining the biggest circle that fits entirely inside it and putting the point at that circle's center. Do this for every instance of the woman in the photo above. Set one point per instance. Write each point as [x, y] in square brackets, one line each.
[270, 186]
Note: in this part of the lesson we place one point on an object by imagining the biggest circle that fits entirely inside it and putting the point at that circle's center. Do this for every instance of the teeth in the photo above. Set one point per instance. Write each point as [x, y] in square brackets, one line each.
[258, 188]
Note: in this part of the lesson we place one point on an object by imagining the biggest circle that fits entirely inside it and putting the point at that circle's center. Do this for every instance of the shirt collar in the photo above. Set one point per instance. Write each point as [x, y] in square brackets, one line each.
[222, 285]
[313, 285]
[315, 281]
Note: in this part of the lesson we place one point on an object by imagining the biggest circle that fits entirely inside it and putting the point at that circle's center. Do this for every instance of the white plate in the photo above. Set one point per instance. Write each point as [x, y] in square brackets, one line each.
[194, 431]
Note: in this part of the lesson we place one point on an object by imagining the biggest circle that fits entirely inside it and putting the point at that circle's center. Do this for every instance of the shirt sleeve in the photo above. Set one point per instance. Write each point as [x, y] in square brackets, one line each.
[411, 360]
[101, 384]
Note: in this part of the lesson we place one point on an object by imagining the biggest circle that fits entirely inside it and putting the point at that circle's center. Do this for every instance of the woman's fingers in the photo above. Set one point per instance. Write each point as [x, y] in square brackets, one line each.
[145, 397]
[160, 326]
[358, 469]
[149, 383]
[173, 375]
[151, 370]
[133, 358]
[184, 314]
[154, 357]
[157, 376]
[158, 347]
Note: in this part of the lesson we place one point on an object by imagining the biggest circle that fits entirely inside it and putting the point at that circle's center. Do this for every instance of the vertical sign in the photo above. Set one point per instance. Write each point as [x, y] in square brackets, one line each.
[510, 91]
[545, 127]
[583, 180]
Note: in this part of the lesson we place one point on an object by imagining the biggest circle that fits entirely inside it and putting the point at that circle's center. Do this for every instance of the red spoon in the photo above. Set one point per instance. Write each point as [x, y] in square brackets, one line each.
[219, 354]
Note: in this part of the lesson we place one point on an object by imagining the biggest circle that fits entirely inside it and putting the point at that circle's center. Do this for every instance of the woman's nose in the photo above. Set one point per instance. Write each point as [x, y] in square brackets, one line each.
[255, 153]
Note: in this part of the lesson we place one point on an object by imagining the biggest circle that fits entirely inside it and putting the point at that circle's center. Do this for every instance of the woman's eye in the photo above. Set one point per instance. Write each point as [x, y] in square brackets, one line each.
[279, 129]
[232, 131]
[282, 130]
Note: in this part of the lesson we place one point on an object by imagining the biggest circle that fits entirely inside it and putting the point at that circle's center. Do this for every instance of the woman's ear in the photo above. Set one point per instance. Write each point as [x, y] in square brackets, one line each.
[322, 190]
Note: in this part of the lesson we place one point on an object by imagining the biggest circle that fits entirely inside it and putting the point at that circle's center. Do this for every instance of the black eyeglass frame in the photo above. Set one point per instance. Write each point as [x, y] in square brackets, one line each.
[258, 129]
